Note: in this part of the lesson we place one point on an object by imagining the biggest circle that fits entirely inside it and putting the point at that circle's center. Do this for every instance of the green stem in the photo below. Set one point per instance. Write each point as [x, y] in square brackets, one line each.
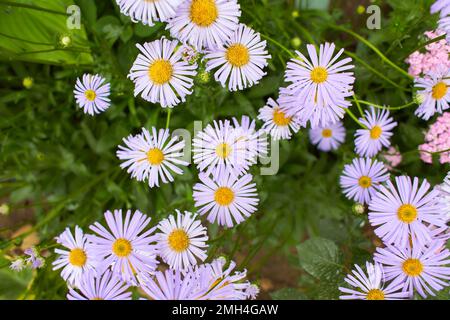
[279, 45]
[355, 118]
[374, 49]
[358, 105]
[442, 37]
[375, 71]
[409, 104]
[168, 118]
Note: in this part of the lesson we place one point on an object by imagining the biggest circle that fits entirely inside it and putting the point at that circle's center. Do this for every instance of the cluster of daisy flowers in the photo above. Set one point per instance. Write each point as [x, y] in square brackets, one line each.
[164, 70]
[166, 261]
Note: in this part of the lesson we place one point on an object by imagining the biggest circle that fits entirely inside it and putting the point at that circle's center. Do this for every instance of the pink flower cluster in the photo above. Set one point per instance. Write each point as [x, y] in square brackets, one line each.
[436, 55]
[437, 140]
[393, 158]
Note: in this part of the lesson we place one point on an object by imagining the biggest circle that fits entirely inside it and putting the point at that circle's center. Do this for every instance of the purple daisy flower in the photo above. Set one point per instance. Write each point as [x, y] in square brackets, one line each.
[328, 138]
[441, 6]
[370, 141]
[361, 178]
[104, 287]
[423, 268]
[126, 248]
[371, 285]
[404, 212]
[92, 94]
[227, 200]
[319, 87]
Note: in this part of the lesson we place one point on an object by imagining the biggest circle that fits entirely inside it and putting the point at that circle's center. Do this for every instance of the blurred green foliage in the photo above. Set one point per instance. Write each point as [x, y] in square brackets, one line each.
[63, 163]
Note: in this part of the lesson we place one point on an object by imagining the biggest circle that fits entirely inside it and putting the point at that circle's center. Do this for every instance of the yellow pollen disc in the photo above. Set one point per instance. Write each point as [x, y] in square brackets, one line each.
[407, 213]
[77, 257]
[160, 71]
[439, 91]
[237, 55]
[178, 240]
[280, 119]
[412, 267]
[97, 298]
[319, 75]
[223, 150]
[365, 182]
[224, 196]
[204, 12]
[90, 95]
[327, 133]
[122, 247]
[375, 132]
[155, 156]
[375, 294]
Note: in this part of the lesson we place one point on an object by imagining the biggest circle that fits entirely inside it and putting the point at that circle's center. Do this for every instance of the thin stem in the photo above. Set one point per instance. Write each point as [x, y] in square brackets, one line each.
[409, 104]
[355, 118]
[442, 37]
[279, 45]
[168, 118]
[374, 49]
[375, 71]
[358, 105]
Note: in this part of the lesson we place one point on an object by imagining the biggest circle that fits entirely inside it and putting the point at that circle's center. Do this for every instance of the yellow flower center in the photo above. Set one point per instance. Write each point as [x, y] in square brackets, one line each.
[412, 267]
[439, 91]
[375, 294]
[407, 213]
[223, 150]
[122, 247]
[327, 133]
[77, 257]
[204, 12]
[365, 182]
[155, 156]
[375, 132]
[178, 240]
[97, 298]
[280, 119]
[90, 95]
[237, 55]
[224, 196]
[319, 75]
[160, 71]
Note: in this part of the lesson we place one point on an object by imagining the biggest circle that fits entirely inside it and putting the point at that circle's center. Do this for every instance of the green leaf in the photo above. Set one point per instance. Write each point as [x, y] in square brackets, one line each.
[13, 283]
[31, 31]
[321, 258]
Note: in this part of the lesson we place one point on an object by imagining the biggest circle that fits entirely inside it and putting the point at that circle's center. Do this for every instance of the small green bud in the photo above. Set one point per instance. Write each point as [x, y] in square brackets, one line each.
[296, 42]
[358, 209]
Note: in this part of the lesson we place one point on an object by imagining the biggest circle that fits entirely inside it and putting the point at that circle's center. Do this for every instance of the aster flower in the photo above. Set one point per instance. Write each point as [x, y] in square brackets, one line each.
[173, 285]
[220, 282]
[91, 94]
[77, 259]
[252, 291]
[403, 212]
[17, 265]
[423, 268]
[205, 23]
[370, 141]
[152, 156]
[276, 122]
[329, 137]
[103, 287]
[444, 195]
[182, 241]
[371, 285]
[160, 74]
[257, 144]
[444, 25]
[220, 149]
[441, 6]
[126, 247]
[361, 178]
[320, 86]
[240, 61]
[434, 89]
[227, 200]
[34, 258]
[148, 12]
